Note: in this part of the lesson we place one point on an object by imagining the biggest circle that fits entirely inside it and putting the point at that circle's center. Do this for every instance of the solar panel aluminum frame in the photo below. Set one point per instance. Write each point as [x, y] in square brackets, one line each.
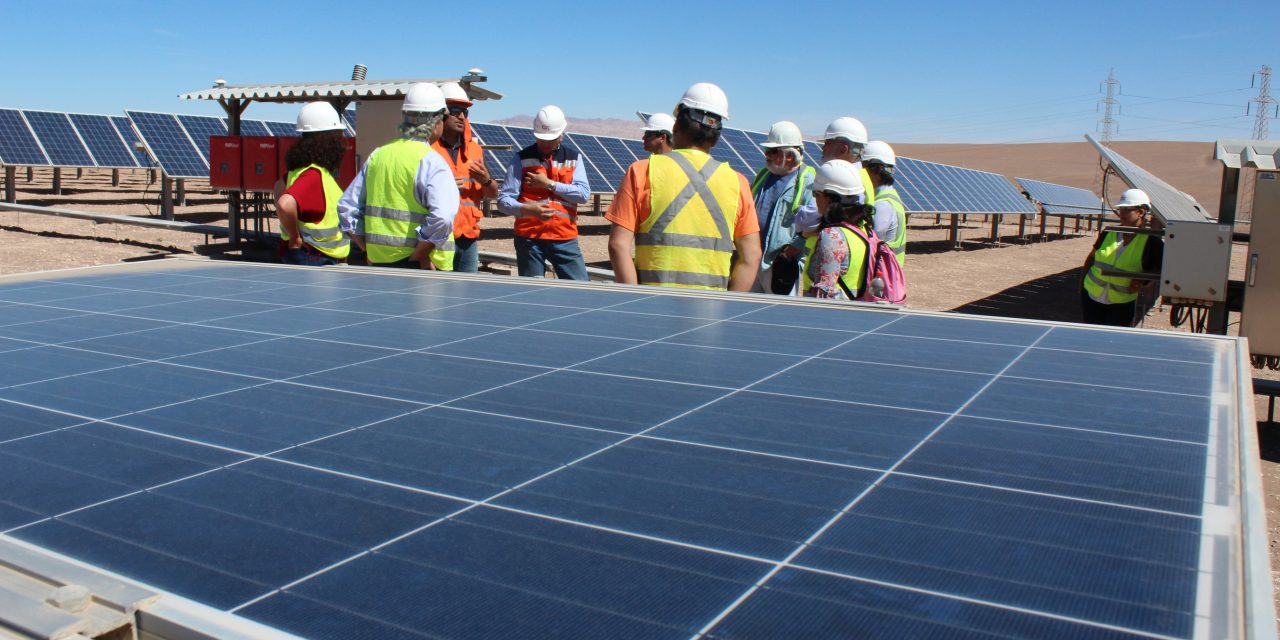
[1241, 605]
[91, 164]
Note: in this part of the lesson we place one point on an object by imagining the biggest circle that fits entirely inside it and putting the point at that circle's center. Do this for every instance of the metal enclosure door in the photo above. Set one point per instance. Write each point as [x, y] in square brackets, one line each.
[1260, 321]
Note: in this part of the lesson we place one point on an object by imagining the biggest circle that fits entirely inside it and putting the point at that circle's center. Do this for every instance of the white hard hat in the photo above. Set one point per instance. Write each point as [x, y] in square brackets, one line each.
[707, 97]
[423, 97]
[550, 123]
[660, 122]
[318, 116]
[453, 92]
[840, 177]
[1134, 198]
[879, 151]
[846, 128]
[784, 134]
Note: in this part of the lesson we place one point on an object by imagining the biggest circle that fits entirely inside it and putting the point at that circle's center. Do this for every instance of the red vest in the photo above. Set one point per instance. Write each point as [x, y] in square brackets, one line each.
[467, 223]
[559, 168]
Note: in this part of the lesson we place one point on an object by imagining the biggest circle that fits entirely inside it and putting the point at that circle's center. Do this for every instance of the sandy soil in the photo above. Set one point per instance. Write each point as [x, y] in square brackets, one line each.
[1027, 278]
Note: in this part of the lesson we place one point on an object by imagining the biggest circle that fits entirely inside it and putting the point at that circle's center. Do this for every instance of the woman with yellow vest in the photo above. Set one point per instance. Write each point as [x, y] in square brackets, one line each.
[1110, 299]
[308, 208]
[686, 213]
[837, 257]
[401, 205]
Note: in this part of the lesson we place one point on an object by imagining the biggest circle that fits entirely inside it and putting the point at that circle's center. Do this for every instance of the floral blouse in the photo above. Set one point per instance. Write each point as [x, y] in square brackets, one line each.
[830, 261]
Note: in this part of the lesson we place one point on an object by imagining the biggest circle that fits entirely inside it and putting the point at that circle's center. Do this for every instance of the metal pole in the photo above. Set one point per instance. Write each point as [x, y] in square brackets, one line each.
[57, 181]
[1218, 313]
[995, 228]
[166, 198]
[10, 189]
[955, 230]
[181, 199]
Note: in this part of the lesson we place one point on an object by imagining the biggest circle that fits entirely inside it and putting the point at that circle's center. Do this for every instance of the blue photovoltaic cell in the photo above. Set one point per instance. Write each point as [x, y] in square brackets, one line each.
[61, 144]
[169, 143]
[104, 142]
[201, 128]
[812, 151]
[282, 129]
[596, 154]
[618, 148]
[1062, 200]
[636, 147]
[930, 187]
[496, 160]
[522, 135]
[541, 459]
[254, 128]
[749, 150]
[350, 117]
[125, 128]
[724, 153]
[17, 144]
[594, 176]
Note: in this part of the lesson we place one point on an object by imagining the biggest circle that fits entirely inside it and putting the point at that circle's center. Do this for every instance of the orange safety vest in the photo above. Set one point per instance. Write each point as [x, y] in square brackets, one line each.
[467, 223]
[559, 168]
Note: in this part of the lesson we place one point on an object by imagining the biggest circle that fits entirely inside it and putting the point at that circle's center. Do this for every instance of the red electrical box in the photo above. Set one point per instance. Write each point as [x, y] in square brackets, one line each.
[348, 169]
[224, 162]
[260, 161]
[283, 145]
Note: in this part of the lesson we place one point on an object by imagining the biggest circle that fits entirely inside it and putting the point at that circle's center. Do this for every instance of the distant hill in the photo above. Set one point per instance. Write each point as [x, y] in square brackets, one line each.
[1188, 166]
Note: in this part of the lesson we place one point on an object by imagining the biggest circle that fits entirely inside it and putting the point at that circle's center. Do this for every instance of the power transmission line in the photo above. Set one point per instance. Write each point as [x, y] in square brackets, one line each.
[1111, 109]
[1264, 102]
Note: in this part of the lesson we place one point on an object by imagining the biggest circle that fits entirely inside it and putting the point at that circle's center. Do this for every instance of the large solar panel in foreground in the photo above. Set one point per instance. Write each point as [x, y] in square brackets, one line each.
[1062, 200]
[350, 453]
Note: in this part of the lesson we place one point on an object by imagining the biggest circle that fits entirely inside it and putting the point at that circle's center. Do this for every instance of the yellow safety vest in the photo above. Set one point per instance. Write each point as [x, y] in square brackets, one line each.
[1110, 254]
[392, 214]
[855, 278]
[867, 188]
[687, 240]
[325, 235]
[899, 244]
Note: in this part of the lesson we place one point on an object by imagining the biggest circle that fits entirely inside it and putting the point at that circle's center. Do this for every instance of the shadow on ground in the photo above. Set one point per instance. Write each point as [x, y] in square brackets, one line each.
[1054, 297]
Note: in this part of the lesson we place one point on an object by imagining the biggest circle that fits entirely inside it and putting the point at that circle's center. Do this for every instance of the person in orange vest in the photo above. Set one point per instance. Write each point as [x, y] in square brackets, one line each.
[308, 208]
[465, 157]
[543, 189]
[1112, 299]
[686, 213]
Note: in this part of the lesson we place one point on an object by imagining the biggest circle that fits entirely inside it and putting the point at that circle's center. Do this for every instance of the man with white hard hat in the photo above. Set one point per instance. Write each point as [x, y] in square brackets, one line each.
[543, 188]
[1111, 299]
[657, 133]
[400, 208]
[878, 161]
[685, 213]
[844, 139]
[780, 188]
[466, 159]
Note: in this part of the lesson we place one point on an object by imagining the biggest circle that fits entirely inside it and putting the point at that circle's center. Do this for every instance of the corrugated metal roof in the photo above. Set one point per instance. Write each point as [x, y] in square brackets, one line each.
[354, 89]
[1237, 154]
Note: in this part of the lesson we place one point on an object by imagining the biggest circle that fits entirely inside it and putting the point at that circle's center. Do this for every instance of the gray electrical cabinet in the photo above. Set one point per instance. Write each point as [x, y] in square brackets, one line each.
[1260, 320]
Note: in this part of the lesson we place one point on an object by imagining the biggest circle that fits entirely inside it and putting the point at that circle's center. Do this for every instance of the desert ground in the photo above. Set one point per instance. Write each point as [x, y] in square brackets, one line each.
[1026, 277]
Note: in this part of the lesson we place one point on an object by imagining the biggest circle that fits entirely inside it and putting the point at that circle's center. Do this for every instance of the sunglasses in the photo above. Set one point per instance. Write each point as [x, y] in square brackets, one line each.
[460, 112]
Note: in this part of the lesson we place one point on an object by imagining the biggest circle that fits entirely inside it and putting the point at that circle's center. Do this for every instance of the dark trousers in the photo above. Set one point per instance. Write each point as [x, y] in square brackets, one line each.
[1113, 315]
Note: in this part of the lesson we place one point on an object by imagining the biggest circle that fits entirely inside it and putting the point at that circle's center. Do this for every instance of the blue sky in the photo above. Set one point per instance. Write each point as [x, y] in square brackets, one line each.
[923, 72]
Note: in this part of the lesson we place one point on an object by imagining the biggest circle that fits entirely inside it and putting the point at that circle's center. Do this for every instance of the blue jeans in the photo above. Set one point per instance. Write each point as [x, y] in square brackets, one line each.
[564, 255]
[466, 258]
[301, 256]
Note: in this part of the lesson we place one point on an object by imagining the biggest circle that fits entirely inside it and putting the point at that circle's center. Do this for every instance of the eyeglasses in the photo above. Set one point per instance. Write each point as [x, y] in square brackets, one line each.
[773, 151]
[652, 134]
[460, 112]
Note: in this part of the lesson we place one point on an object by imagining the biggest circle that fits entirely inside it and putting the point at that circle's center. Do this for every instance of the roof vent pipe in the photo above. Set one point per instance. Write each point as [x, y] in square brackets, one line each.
[358, 72]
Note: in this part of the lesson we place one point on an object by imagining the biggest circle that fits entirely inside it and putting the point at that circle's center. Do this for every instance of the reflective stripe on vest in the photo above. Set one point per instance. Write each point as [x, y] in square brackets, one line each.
[392, 213]
[325, 235]
[687, 240]
[1113, 256]
[855, 276]
[890, 195]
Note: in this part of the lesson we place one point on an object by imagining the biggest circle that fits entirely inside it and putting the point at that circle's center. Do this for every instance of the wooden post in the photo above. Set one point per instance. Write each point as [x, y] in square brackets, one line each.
[955, 230]
[1022, 228]
[595, 204]
[31, 174]
[115, 177]
[10, 189]
[995, 228]
[1077, 231]
[166, 198]
[79, 173]
[57, 181]
[1062, 225]
[181, 199]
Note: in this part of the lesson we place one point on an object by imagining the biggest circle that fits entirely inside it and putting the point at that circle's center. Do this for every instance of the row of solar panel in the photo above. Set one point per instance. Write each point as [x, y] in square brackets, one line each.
[179, 143]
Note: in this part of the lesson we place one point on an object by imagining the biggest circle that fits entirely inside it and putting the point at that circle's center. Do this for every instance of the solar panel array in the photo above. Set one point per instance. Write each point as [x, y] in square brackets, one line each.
[61, 144]
[18, 145]
[931, 187]
[180, 142]
[105, 143]
[1061, 200]
[42, 138]
[347, 453]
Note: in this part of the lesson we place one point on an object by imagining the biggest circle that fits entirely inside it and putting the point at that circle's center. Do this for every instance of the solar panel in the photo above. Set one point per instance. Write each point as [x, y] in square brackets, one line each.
[725, 153]
[603, 173]
[18, 145]
[930, 187]
[350, 117]
[282, 129]
[522, 135]
[618, 149]
[124, 126]
[62, 145]
[496, 160]
[201, 128]
[611, 159]
[353, 453]
[636, 147]
[170, 144]
[748, 149]
[103, 141]
[1062, 200]
[254, 128]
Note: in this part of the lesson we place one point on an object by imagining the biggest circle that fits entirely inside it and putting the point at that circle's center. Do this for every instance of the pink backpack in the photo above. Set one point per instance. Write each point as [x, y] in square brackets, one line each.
[885, 281]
